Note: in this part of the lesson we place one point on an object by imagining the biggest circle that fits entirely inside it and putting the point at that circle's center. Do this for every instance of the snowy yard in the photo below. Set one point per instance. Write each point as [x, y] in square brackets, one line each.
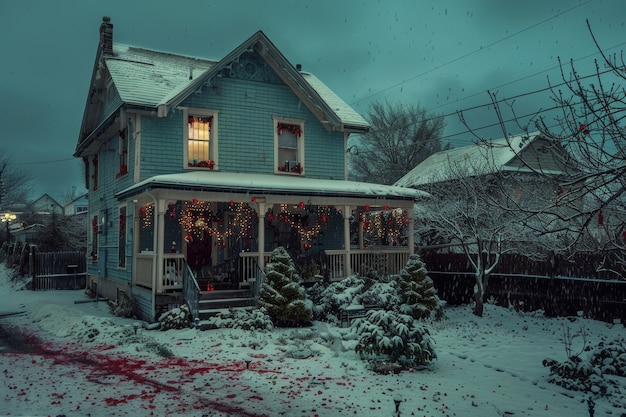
[84, 362]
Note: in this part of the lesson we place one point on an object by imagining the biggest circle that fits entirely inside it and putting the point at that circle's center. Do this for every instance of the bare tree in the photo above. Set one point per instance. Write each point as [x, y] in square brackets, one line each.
[15, 181]
[476, 211]
[588, 119]
[401, 137]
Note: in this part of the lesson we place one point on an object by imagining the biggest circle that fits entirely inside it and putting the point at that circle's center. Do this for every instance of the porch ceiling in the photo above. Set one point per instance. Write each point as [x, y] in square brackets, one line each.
[271, 185]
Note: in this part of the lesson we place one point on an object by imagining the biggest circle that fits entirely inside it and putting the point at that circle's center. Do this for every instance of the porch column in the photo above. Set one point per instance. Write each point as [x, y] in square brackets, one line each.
[410, 231]
[261, 235]
[346, 240]
[361, 232]
[160, 244]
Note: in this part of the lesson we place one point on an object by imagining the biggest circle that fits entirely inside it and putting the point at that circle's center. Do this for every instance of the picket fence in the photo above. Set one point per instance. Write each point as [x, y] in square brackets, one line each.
[57, 270]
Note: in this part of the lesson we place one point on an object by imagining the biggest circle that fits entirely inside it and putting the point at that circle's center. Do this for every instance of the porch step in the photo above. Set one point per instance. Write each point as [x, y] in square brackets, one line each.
[226, 303]
[205, 324]
[220, 301]
[225, 294]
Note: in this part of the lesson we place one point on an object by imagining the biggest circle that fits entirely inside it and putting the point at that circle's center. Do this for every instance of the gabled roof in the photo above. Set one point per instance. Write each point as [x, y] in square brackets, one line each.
[158, 81]
[326, 105]
[485, 157]
[146, 78]
[47, 197]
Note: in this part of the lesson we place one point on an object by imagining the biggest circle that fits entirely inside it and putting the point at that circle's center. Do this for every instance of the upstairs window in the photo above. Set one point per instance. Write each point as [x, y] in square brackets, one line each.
[201, 138]
[94, 176]
[123, 156]
[289, 146]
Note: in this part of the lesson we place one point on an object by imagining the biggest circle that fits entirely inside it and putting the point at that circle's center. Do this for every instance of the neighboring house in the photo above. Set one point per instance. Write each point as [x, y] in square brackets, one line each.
[79, 205]
[527, 169]
[519, 160]
[197, 169]
[45, 205]
[27, 233]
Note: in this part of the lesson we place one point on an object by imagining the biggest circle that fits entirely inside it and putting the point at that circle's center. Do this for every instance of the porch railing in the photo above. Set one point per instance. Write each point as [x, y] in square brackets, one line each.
[173, 267]
[144, 266]
[249, 270]
[171, 276]
[191, 291]
[385, 261]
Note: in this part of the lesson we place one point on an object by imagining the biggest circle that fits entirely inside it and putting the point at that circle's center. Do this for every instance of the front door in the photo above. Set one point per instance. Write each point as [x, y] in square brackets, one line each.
[199, 253]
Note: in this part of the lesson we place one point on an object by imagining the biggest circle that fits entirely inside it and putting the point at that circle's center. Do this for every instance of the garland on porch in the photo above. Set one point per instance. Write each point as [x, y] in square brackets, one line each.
[307, 223]
[385, 224]
[146, 215]
[199, 217]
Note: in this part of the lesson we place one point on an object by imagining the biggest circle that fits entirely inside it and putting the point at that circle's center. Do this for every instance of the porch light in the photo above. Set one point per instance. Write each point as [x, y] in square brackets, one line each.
[7, 218]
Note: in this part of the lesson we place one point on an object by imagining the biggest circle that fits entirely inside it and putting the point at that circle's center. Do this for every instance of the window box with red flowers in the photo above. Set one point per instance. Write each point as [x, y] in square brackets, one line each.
[203, 164]
[291, 166]
[123, 171]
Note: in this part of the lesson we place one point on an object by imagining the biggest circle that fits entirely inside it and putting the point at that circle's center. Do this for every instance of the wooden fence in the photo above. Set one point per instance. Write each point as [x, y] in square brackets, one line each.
[561, 288]
[57, 270]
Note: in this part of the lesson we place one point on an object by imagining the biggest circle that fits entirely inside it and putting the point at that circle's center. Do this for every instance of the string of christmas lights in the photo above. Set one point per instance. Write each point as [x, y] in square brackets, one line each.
[199, 217]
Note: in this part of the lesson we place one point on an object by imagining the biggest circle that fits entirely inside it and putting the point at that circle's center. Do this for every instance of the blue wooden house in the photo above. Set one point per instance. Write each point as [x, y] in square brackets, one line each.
[196, 169]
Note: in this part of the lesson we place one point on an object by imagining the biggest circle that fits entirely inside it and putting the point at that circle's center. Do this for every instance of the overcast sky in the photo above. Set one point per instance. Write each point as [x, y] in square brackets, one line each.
[442, 54]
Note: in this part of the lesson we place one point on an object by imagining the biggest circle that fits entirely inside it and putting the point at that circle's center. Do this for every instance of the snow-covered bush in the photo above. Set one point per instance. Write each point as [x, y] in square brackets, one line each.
[417, 291]
[587, 375]
[328, 299]
[282, 294]
[411, 292]
[176, 318]
[257, 319]
[576, 374]
[391, 336]
[610, 358]
[122, 307]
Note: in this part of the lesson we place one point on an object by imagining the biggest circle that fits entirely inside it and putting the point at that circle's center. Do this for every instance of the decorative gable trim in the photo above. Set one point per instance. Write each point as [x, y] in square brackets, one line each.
[281, 66]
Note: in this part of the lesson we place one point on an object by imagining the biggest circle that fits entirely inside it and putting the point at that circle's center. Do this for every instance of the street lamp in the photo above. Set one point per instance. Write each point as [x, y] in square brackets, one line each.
[7, 218]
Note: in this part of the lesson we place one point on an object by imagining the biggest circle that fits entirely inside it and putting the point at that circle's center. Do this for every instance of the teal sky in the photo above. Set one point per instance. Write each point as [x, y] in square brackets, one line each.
[442, 54]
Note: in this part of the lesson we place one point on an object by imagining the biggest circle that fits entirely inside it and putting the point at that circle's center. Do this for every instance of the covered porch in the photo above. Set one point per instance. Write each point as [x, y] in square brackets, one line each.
[218, 229]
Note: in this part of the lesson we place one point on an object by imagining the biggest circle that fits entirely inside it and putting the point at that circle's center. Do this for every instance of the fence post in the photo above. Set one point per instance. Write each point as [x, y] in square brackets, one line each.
[31, 265]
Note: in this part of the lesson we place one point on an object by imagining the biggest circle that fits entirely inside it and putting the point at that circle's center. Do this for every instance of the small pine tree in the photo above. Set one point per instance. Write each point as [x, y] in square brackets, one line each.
[282, 294]
[387, 335]
[417, 291]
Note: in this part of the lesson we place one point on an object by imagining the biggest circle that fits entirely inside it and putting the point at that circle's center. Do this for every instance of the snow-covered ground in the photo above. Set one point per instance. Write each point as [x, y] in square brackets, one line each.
[85, 362]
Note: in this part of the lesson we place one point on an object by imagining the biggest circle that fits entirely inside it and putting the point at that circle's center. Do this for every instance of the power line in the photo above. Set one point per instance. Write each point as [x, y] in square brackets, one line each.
[504, 100]
[47, 162]
[469, 53]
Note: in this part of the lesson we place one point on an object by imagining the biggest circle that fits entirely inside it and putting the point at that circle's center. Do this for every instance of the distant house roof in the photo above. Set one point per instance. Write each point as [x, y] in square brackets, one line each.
[45, 204]
[270, 184]
[522, 153]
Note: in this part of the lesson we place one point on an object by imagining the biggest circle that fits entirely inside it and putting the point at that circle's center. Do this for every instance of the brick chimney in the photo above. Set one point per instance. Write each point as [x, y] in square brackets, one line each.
[106, 36]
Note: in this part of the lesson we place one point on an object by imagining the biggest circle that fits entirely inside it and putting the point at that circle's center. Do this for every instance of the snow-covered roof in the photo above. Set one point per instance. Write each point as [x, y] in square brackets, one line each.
[485, 157]
[146, 77]
[271, 184]
[153, 78]
[347, 114]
